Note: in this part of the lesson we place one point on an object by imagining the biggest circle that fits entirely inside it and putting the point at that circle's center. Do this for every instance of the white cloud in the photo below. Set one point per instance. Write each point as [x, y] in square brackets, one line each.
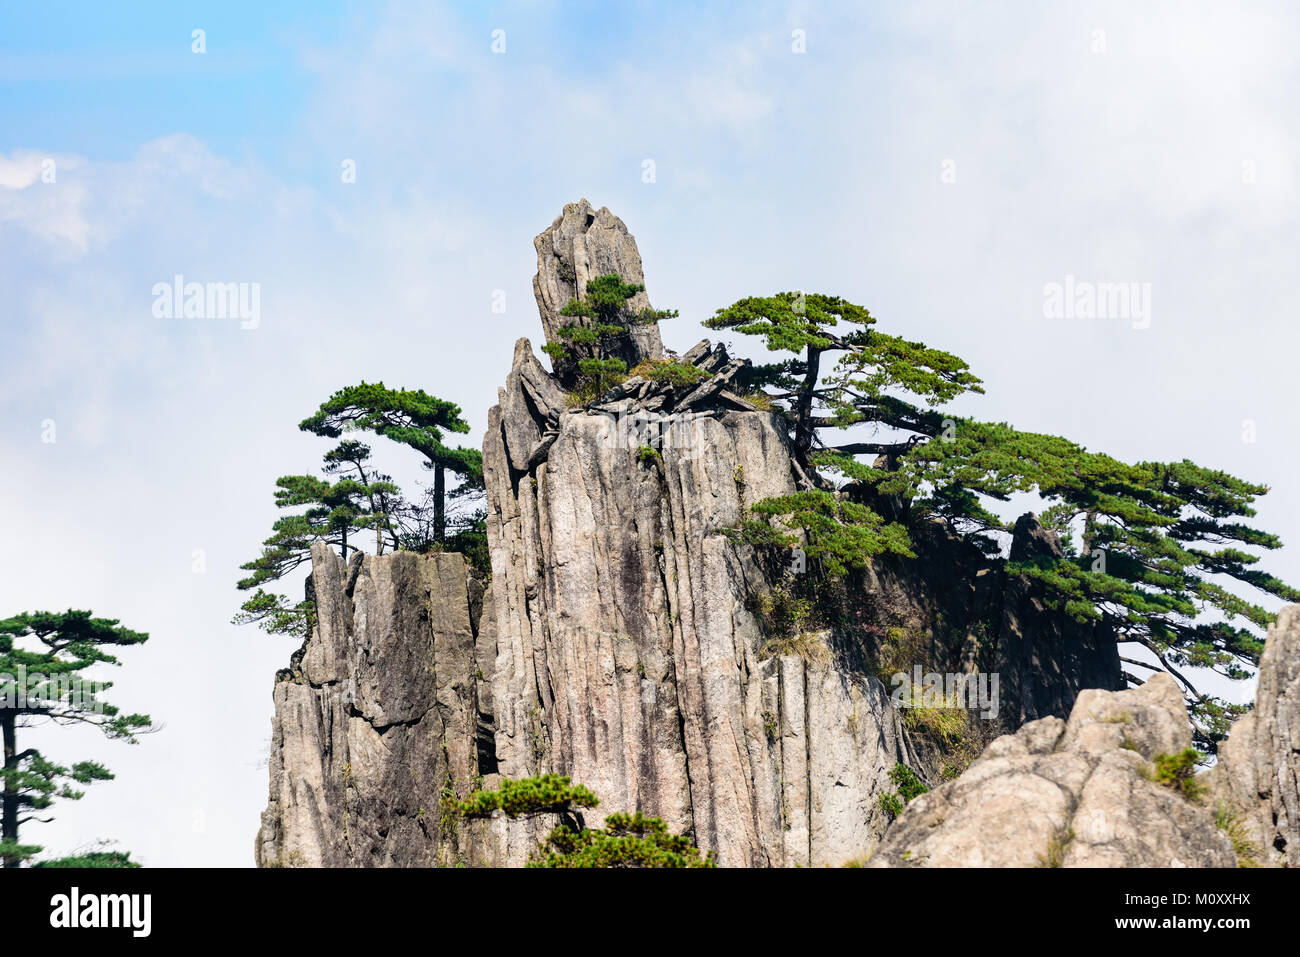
[33, 198]
[817, 171]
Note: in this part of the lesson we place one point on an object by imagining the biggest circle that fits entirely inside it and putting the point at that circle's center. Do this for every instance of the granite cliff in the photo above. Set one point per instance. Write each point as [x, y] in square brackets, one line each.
[621, 641]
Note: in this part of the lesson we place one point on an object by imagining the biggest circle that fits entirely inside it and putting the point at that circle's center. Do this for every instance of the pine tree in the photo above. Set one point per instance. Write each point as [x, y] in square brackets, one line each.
[361, 498]
[90, 859]
[1156, 541]
[56, 691]
[602, 323]
[412, 418]
[812, 395]
[378, 494]
[625, 840]
[358, 500]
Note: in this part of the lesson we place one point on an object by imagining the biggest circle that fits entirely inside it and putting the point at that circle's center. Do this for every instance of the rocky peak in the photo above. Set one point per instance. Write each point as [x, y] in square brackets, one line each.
[621, 642]
[1029, 539]
[580, 245]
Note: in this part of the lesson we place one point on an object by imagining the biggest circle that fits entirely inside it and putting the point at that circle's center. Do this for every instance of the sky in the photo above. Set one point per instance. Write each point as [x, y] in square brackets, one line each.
[942, 163]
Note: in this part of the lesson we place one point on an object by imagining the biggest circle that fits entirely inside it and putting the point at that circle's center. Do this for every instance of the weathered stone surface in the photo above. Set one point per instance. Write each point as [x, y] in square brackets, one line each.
[1073, 794]
[1046, 657]
[580, 245]
[627, 658]
[381, 716]
[531, 404]
[616, 645]
[968, 614]
[707, 390]
[1258, 774]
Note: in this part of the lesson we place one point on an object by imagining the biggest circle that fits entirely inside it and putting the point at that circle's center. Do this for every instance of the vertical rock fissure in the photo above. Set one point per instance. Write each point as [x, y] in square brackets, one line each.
[678, 684]
[808, 755]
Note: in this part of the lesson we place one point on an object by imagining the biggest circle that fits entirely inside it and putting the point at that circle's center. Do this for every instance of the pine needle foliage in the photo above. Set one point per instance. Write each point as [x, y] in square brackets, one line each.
[1157, 552]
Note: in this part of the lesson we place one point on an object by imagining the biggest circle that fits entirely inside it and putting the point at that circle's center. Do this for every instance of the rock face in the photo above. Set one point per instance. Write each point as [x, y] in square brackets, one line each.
[580, 245]
[969, 615]
[627, 657]
[1258, 774]
[1045, 657]
[1069, 794]
[379, 714]
[620, 643]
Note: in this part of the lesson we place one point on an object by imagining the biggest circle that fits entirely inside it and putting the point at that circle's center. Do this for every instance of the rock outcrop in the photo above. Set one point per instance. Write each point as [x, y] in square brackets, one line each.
[1257, 779]
[580, 245]
[1045, 657]
[627, 656]
[967, 614]
[1080, 793]
[376, 717]
[621, 643]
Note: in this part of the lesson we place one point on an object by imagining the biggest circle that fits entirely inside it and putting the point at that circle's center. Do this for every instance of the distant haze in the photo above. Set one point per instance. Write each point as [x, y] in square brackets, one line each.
[943, 164]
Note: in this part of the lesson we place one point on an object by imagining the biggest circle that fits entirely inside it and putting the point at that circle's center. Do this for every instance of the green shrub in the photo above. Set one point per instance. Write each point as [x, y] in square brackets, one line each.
[627, 840]
[595, 378]
[910, 787]
[891, 804]
[946, 725]
[549, 793]
[672, 371]
[789, 624]
[1178, 771]
[780, 612]
[1229, 821]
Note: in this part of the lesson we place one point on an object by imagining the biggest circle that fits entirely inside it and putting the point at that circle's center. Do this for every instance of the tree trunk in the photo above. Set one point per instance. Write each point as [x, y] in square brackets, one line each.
[9, 829]
[803, 423]
[439, 504]
[370, 496]
[1089, 532]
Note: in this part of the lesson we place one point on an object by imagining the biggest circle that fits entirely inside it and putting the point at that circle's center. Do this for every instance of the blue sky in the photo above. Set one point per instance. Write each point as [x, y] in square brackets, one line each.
[102, 78]
[1124, 160]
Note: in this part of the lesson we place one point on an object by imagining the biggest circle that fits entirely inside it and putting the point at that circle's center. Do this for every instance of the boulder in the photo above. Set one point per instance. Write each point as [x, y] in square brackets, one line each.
[1077, 793]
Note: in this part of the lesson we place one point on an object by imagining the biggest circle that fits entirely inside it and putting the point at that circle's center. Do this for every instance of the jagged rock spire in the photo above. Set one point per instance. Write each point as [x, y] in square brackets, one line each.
[580, 245]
